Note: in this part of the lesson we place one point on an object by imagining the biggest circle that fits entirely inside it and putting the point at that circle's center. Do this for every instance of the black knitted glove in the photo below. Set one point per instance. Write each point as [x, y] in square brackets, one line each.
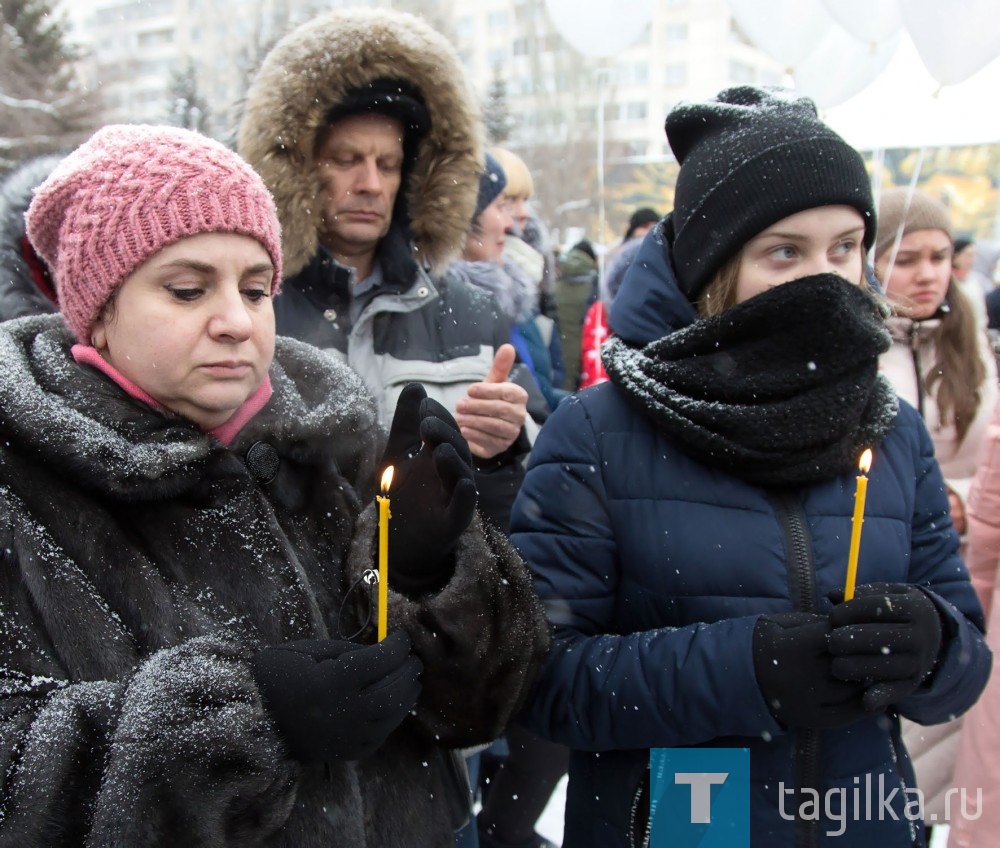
[793, 668]
[888, 638]
[433, 493]
[335, 700]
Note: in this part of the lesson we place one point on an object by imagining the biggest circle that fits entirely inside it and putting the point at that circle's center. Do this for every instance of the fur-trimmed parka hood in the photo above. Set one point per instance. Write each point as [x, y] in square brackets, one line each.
[311, 70]
[20, 293]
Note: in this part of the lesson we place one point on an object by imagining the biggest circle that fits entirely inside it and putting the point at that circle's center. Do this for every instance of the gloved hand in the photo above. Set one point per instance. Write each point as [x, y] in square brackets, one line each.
[887, 637]
[336, 700]
[793, 668]
[433, 492]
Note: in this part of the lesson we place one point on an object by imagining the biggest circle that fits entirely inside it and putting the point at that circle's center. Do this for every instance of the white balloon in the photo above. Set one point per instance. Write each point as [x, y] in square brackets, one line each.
[869, 20]
[787, 30]
[906, 107]
[954, 39]
[600, 27]
[842, 66]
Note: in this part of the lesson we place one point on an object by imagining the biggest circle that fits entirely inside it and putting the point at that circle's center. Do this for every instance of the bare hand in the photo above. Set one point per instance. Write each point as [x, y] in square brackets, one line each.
[492, 412]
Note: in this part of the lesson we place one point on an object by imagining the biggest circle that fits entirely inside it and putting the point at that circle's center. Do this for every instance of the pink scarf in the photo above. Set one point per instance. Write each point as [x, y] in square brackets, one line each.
[225, 432]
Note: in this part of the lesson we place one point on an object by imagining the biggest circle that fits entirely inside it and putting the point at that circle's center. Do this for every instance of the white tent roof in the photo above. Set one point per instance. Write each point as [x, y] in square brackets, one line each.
[906, 107]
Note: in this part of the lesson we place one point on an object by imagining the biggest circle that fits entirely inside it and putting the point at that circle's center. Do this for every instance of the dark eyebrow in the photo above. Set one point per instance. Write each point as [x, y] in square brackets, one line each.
[800, 237]
[205, 268]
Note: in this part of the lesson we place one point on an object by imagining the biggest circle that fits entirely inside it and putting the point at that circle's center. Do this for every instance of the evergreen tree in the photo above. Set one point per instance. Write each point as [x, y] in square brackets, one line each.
[188, 108]
[42, 107]
[498, 120]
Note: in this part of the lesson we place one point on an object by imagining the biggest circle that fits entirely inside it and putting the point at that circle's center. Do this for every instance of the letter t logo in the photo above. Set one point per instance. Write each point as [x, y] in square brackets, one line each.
[701, 783]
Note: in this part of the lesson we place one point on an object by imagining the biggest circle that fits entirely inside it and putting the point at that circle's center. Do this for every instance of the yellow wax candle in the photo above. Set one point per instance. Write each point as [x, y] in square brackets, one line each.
[383, 553]
[860, 492]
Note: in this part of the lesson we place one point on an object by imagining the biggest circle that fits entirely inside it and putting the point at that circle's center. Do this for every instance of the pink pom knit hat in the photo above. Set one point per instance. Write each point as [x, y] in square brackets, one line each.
[130, 191]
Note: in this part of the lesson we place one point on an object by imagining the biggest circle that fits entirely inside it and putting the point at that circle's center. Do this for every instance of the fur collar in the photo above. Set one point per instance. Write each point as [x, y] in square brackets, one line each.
[79, 420]
[310, 70]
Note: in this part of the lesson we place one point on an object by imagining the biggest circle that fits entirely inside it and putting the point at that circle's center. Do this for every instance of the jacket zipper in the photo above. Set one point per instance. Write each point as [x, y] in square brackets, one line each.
[802, 587]
[638, 824]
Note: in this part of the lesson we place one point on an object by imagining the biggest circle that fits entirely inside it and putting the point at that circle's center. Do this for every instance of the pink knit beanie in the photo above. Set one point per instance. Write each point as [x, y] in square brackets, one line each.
[128, 192]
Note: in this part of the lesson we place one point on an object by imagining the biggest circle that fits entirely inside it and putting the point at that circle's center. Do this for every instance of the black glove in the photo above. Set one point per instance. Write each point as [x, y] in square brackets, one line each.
[887, 637]
[335, 700]
[793, 668]
[433, 492]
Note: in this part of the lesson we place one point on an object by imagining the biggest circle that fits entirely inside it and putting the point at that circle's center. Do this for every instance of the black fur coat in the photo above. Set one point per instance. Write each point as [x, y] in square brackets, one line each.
[141, 565]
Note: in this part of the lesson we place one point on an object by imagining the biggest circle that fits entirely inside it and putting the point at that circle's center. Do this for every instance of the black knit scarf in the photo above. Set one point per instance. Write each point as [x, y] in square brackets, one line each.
[781, 390]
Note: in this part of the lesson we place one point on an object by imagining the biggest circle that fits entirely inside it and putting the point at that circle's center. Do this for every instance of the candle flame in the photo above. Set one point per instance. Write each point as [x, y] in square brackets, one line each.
[387, 479]
[865, 463]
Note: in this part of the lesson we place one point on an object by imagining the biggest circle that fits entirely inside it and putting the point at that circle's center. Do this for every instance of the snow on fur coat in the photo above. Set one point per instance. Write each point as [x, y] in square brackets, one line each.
[144, 564]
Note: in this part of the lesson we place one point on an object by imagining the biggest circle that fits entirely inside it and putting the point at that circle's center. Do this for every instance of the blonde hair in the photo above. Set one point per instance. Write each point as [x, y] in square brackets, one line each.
[519, 182]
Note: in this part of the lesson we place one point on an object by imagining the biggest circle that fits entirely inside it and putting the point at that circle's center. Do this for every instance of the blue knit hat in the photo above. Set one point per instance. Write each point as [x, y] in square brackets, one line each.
[492, 181]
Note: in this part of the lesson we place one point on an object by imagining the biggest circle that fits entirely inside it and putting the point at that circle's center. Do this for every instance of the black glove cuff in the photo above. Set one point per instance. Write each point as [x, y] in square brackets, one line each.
[426, 580]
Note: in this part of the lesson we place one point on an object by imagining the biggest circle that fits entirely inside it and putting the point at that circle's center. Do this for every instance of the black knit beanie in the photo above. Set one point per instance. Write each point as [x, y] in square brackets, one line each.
[750, 157]
[492, 181]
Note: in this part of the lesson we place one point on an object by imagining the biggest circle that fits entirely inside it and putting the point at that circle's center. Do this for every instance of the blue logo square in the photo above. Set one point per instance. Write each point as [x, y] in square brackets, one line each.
[699, 798]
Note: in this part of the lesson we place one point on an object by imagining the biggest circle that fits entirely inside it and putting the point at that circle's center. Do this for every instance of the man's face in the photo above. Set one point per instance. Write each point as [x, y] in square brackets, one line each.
[360, 163]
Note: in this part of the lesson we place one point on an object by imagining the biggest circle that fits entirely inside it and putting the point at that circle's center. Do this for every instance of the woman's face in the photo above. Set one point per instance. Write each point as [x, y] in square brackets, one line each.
[485, 241]
[194, 325]
[517, 208]
[919, 277]
[823, 240]
[962, 262]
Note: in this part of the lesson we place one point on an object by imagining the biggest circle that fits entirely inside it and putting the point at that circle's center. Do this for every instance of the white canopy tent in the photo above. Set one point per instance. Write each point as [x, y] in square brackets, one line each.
[906, 107]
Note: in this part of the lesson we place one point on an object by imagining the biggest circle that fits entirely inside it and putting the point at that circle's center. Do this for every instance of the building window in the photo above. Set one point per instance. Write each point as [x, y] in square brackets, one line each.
[676, 34]
[632, 74]
[159, 36]
[635, 111]
[676, 75]
[464, 26]
[520, 47]
[498, 20]
[741, 72]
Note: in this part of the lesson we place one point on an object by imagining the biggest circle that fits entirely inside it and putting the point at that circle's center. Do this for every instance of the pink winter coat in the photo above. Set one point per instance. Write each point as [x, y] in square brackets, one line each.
[978, 763]
[934, 749]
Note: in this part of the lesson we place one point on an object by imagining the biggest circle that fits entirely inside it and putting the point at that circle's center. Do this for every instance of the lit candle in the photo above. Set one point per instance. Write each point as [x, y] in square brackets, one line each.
[383, 553]
[860, 492]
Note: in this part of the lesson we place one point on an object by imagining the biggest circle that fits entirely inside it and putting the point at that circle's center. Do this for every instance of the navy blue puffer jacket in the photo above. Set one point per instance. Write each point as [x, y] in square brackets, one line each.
[654, 569]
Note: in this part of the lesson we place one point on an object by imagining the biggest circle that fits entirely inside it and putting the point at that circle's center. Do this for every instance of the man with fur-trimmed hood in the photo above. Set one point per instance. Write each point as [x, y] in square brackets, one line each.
[362, 127]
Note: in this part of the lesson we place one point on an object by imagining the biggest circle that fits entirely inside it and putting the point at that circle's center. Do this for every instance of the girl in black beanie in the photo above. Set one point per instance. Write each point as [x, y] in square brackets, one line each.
[688, 522]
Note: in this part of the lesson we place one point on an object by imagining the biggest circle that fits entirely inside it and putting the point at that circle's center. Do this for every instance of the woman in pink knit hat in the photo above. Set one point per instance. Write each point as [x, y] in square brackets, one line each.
[188, 647]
